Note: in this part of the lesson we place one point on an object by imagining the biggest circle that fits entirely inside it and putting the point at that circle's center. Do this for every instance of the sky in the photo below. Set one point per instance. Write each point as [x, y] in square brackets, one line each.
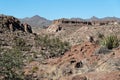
[54, 9]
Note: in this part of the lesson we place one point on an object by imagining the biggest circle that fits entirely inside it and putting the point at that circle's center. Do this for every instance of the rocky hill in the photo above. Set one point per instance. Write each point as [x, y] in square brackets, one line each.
[18, 44]
[94, 18]
[37, 21]
[77, 31]
[13, 24]
[66, 50]
[87, 59]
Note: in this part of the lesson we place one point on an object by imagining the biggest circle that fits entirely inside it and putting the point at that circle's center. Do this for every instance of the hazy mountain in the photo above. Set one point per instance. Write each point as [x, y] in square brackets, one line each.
[37, 21]
[111, 18]
[94, 18]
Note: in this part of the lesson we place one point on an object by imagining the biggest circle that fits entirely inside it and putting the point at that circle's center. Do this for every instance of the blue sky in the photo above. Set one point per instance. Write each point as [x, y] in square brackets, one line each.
[54, 9]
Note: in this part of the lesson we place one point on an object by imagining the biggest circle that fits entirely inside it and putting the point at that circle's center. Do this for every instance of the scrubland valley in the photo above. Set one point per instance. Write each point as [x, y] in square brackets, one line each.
[63, 49]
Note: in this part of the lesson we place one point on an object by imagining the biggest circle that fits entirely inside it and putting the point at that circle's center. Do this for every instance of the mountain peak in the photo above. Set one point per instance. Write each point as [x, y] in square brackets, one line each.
[36, 16]
[37, 21]
[94, 18]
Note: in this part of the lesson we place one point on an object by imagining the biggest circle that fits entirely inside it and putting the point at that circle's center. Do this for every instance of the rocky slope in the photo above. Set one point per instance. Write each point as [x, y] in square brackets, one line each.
[79, 31]
[87, 61]
[49, 58]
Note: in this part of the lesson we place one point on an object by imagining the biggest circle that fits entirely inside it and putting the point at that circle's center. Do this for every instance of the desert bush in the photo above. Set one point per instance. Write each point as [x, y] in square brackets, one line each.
[51, 47]
[110, 41]
[35, 69]
[100, 35]
[21, 44]
[10, 64]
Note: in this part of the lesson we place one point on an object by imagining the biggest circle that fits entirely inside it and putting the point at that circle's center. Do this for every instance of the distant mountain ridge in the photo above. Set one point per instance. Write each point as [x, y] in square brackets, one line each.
[94, 18]
[36, 21]
[41, 22]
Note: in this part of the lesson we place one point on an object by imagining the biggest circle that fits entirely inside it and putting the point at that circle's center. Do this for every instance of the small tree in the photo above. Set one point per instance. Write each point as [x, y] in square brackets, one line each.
[10, 63]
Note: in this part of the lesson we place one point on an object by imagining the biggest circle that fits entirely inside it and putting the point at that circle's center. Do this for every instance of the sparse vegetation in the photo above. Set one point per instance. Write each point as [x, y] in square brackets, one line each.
[35, 56]
[100, 35]
[51, 47]
[110, 41]
[10, 64]
[35, 68]
[20, 44]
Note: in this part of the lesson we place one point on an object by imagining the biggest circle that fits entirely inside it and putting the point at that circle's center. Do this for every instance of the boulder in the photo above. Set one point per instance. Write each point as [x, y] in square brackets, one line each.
[54, 28]
[27, 28]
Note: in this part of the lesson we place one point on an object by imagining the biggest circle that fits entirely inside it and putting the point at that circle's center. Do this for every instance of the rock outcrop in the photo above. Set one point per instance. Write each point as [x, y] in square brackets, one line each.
[84, 22]
[65, 27]
[27, 28]
[71, 22]
[13, 24]
[54, 28]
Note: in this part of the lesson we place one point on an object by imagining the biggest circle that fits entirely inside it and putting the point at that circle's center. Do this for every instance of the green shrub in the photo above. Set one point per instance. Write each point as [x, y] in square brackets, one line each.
[35, 69]
[51, 47]
[10, 64]
[110, 41]
[21, 44]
